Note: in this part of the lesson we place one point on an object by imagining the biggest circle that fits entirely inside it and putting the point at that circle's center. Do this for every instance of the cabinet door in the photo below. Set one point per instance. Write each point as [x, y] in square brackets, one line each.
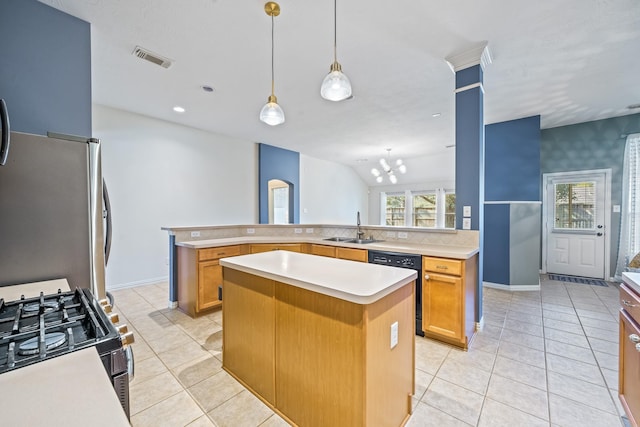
[442, 305]
[265, 247]
[209, 278]
[629, 387]
[352, 254]
[323, 250]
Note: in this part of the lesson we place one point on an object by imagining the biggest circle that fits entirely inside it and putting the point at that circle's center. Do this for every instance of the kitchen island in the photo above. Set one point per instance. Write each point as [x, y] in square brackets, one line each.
[321, 341]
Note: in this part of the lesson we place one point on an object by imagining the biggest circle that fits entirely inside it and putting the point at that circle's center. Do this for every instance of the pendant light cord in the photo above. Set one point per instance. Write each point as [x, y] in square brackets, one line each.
[335, 30]
[272, 68]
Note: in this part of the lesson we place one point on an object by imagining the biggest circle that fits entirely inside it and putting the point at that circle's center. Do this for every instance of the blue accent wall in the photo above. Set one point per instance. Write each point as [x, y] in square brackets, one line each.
[591, 145]
[469, 76]
[496, 243]
[45, 68]
[512, 160]
[278, 163]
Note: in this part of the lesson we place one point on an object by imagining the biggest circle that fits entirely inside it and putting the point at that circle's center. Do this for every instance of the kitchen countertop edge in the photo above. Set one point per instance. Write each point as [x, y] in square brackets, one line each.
[632, 280]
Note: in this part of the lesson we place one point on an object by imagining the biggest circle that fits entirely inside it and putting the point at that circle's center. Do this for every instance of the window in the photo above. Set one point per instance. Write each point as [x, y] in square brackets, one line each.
[575, 205]
[427, 209]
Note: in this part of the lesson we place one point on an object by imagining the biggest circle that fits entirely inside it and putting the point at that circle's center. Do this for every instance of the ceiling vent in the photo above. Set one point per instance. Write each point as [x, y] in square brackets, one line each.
[147, 55]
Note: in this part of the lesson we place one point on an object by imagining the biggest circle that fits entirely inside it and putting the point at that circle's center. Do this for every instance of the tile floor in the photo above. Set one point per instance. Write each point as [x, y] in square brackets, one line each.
[544, 358]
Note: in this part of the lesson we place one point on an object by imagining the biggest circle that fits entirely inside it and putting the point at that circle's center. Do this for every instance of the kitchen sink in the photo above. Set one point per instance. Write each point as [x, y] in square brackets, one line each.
[350, 240]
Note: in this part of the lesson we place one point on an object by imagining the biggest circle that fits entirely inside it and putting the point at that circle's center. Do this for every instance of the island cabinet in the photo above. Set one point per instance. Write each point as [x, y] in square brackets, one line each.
[629, 353]
[448, 299]
[317, 359]
[265, 247]
[200, 276]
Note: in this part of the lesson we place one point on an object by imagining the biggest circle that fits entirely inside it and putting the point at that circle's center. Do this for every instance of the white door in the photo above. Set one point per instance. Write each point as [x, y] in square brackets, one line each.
[575, 224]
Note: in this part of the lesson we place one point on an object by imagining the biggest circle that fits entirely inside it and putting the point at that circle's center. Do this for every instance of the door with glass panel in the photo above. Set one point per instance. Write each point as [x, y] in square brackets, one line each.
[575, 224]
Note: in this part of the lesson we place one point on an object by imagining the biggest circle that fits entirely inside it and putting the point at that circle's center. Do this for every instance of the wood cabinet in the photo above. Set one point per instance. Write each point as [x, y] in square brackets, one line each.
[448, 299]
[322, 250]
[629, 355]
[352, 254]
[199, 276]
[265, 247]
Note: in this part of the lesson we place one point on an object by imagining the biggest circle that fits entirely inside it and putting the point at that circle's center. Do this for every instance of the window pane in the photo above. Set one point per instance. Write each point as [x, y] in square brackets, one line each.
[450, 211]
[424, 210]
[575, 205]
[395, 210]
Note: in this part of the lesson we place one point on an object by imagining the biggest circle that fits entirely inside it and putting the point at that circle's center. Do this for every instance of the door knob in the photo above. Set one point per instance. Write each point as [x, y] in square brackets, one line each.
[599, 226]
[599, 234]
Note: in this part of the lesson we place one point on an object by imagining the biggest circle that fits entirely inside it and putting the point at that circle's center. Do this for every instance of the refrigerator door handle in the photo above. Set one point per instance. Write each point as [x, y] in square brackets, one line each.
[5, 132]
[106, 214]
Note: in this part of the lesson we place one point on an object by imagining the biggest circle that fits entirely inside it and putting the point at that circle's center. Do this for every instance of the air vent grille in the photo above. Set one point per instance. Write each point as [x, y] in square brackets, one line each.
[154, 58]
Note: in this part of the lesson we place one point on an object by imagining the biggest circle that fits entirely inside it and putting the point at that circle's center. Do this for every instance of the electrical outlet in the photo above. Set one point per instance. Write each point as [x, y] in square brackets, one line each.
[251, 230]
[309, 230]
[402, 235]
[394, 334]
[297, 230]
[391, 234]
[195, 234]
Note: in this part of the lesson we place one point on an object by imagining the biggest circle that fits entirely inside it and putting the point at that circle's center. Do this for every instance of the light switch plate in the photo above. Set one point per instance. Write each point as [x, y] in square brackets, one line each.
[616, 208]
[466, 211]
[394, 334]
[297, 230]
[466, 223]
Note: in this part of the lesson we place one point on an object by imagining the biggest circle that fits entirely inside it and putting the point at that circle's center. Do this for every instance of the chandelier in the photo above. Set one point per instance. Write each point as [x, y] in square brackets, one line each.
[386, 168]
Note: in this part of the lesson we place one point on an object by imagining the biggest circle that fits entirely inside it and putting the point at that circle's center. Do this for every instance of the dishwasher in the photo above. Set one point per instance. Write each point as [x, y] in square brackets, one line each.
[401, 260]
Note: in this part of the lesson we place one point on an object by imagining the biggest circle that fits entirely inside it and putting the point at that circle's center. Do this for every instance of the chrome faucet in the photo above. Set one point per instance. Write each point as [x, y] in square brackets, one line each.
[359, 233]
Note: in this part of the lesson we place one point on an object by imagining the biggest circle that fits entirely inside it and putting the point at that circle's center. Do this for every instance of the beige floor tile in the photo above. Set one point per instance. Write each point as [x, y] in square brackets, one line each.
[521, 372]
[429, 355]
[604, 346]
[147, 393]
[465, 376]
[148, 368]
[477, 358]
[197, 370]
[596, 307]
[496, 414]
[527, 328]
[581, 391]
[180, 355]
[203, 421]
[606, 360]
[519, 396]
[520, 338]
[428, 416]
[454, 400]
[141, 349]
[520, 308]
[562, 317]
[212, 342]
[242, 410]
[485, 343]
[422, 381]
[600, 324]
[606, 317]
[216, 316]
[529, 319]
[571, 351]
[203, 333]
[275, 421]
[556, 308]
[566, 412]
[215, 390]
[611, 378]
[177, 410]
[574, 328]
[566, 337]
[494, 319]
[574, 368]
[522, 354]
[491, 331]
[173, 339]
[603, 334]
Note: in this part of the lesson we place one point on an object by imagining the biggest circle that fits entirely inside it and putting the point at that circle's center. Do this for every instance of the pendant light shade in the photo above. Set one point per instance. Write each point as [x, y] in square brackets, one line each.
[336, 85]
[272, 114]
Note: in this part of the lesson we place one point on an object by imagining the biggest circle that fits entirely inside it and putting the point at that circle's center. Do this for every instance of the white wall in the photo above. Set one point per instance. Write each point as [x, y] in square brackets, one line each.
[163, 174]
[330, 193]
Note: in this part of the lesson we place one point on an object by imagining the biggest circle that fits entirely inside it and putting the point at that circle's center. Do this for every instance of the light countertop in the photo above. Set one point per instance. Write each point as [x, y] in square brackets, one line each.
[445, 251]
[69, 390]
[30, 290]
[632, 280]
[351, 281]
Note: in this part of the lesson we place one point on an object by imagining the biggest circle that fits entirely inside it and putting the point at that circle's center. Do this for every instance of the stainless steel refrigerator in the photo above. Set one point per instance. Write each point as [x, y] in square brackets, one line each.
[51, 211]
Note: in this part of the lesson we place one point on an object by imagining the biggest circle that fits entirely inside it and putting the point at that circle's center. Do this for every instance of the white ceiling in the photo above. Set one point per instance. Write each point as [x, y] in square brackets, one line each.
[570, 61]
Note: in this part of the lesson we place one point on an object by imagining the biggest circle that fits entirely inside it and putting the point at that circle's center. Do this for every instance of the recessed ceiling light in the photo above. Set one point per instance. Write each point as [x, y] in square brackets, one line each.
[207, 88]
[633, 106]
[436, 115]
[179, 109]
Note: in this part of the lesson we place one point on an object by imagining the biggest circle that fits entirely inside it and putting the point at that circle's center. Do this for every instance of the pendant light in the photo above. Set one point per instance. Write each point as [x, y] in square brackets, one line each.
[386, 168]
[336, 85]
[272, 114]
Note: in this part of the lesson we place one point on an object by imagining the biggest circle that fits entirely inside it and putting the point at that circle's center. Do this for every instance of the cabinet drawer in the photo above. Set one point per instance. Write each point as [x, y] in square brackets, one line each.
[630, 301]
[219, 252]
[352, 254]
[442, 265]
[322, 250]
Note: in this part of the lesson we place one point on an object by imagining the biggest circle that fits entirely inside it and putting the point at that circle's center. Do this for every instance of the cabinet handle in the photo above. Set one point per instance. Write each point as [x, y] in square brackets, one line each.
[221, 253]
[442, 267]
[628, 303]
[638, 348]
[634, 338]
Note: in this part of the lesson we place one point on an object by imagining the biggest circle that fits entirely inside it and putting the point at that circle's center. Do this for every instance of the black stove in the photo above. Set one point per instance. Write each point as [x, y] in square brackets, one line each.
[39, 328]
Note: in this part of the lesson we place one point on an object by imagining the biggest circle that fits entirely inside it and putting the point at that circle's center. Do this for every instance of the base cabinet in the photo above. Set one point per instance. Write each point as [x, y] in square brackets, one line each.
[448, 299]
[200, 276]
[629, 354]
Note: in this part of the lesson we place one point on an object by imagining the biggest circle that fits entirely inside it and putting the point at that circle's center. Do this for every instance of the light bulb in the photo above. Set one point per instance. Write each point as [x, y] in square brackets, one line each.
[335, 86]
[375, 172]
[272, 114]
[379, 179]
[393, 179]
[398, 162]
[402, 169]
[385, 165]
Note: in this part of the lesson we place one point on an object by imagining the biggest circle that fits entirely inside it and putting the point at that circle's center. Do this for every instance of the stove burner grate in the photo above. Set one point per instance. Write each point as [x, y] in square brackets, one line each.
[51, 340]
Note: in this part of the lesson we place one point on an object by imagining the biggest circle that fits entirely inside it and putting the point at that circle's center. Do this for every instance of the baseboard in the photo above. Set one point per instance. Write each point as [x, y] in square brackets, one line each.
[173, 304]
[480, 325]
[514, 288]
[144, 282]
